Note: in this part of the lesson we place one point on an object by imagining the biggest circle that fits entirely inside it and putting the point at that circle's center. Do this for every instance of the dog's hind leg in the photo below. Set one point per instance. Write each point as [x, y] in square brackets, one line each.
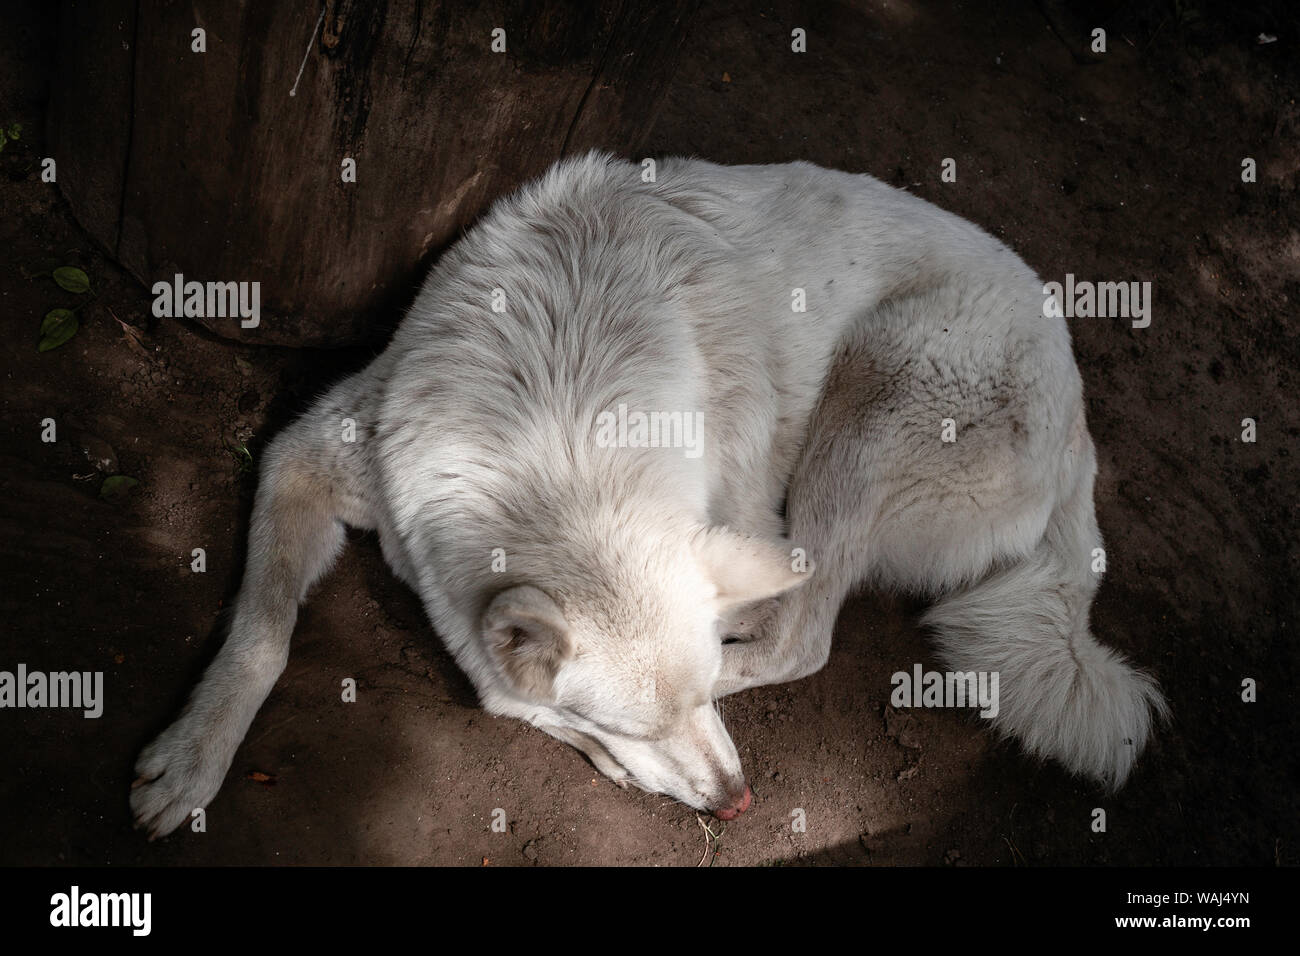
[878, 495]
[1063, 694]
[313, 480]
[997, 521]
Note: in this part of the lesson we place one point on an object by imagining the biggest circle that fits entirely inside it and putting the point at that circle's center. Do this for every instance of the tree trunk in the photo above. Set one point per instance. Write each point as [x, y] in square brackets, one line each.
[204, 164]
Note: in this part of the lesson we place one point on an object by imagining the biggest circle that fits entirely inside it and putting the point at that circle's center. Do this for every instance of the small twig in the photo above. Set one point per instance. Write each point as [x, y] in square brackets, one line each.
[1154, 33]
[1016, 856]
[1011, 825]
[711, 840]
[274, 727]
[310, 44]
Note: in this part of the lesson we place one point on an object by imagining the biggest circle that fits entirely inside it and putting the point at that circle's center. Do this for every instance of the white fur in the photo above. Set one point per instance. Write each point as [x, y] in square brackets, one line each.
[626, 566]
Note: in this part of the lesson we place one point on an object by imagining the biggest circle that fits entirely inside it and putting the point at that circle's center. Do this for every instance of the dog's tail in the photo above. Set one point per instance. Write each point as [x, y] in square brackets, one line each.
[1061, 693]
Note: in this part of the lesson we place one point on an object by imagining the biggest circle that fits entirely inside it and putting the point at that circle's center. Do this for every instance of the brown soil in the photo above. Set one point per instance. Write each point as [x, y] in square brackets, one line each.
[1123, 169]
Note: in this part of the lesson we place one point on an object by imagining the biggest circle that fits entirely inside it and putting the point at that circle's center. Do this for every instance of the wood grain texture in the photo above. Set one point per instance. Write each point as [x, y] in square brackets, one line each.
[203, 164]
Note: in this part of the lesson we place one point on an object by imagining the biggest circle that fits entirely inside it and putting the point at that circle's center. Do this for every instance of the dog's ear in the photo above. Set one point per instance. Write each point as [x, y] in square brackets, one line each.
[747, 568]
[528, 636]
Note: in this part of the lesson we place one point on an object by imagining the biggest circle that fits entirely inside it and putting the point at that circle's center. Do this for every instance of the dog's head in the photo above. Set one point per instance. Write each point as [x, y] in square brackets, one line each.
[624, 668]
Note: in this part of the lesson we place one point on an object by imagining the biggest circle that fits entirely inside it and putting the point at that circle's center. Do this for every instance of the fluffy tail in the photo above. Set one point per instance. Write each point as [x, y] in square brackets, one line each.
[1062, 694]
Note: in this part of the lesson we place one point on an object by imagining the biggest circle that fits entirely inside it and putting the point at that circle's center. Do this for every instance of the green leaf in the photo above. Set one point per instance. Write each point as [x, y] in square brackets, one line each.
[15, 130]
[72, 279]
[116, 487]
[59, 326]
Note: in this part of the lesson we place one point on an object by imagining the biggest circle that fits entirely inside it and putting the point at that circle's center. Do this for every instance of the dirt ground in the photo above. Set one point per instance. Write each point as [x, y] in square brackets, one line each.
[1128, 168]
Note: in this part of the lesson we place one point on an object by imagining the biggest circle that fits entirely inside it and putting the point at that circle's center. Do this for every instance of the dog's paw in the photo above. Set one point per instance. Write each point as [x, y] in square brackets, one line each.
[175, 775]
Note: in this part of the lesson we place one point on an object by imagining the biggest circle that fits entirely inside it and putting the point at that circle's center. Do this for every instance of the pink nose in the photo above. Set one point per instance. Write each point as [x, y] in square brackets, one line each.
[736, 807]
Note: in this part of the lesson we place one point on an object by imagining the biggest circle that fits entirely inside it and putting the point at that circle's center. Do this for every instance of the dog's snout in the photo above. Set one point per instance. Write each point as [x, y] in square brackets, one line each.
[735, 805]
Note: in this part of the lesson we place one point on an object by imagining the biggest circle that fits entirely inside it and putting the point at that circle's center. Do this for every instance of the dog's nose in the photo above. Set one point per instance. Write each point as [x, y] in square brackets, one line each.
[735, 806]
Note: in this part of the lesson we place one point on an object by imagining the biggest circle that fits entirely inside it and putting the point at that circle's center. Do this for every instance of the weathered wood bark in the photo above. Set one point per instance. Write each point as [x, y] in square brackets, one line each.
[203, 164]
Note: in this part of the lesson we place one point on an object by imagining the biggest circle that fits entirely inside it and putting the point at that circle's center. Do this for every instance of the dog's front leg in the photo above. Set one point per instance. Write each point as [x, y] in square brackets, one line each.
[305, 494]
[183, 768]
[790, 638]
[745, 622]
[763, 659]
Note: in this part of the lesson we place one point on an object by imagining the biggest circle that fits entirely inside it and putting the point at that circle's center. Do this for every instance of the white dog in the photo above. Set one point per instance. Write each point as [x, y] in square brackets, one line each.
[624, 420]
